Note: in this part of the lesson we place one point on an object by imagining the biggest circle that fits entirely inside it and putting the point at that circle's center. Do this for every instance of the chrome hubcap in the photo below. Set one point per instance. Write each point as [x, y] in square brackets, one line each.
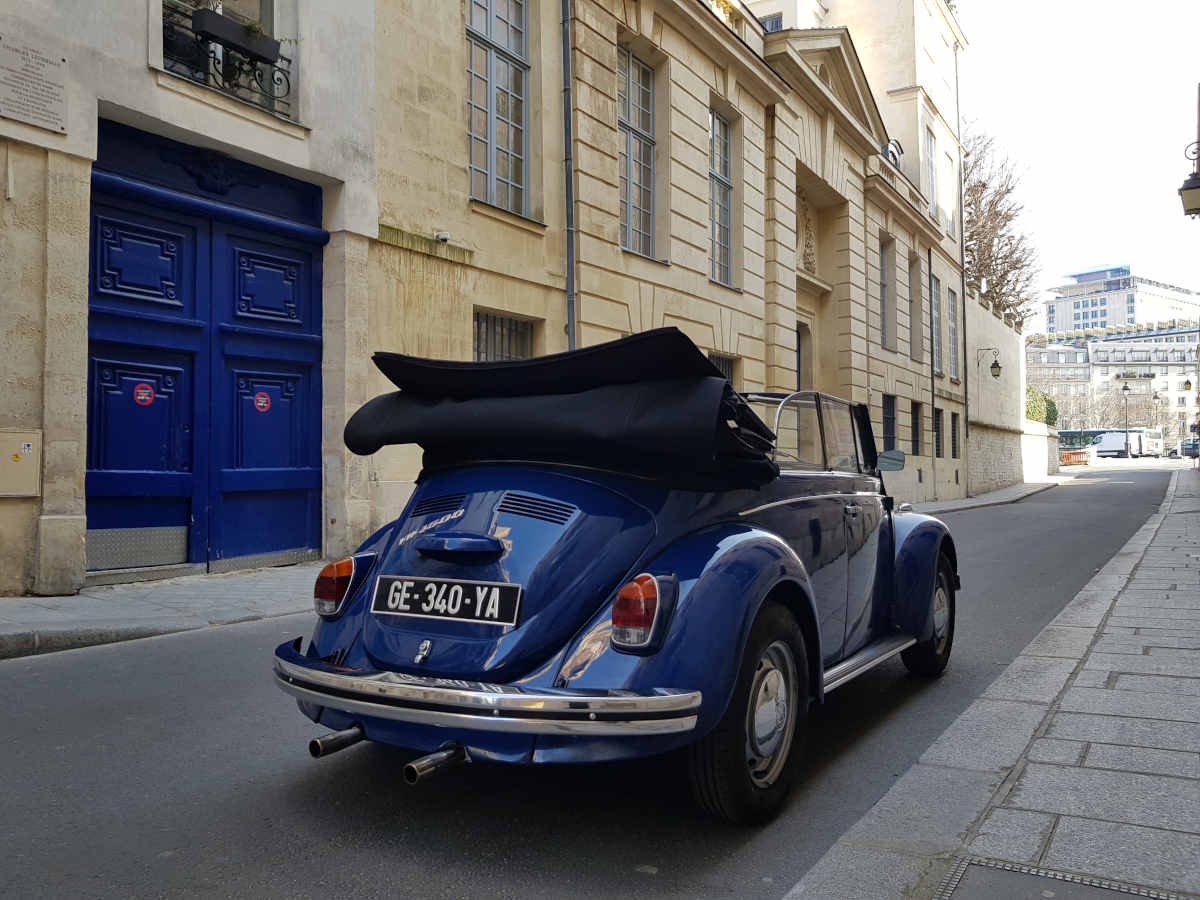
[941, 617]
[771, 715]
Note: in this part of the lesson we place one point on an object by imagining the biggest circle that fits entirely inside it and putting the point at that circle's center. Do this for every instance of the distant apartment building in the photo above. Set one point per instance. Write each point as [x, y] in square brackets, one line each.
[1086, 374]
[1102, 298]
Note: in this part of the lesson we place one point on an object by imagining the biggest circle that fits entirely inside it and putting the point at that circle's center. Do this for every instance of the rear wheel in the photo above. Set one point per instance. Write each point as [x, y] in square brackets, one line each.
[929, 658]
[743, 770]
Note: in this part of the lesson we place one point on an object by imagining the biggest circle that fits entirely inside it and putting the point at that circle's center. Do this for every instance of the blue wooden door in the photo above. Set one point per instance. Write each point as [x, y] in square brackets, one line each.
[266, 364]
[148, 376]
[204, 391]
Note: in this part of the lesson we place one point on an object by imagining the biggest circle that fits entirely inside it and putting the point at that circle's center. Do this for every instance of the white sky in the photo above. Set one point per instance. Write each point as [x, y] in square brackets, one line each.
[1095, 101]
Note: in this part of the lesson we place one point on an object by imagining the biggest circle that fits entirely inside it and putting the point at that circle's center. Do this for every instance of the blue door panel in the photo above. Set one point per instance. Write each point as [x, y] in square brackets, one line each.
[264, 284]
[141, 412]
[145, 262]
[266, 362]
[270, 521]
[148, 372]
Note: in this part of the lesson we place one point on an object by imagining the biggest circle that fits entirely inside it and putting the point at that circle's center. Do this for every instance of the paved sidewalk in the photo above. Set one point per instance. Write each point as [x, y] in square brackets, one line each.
[101, 615]
[1078, 770]
[1010, 494]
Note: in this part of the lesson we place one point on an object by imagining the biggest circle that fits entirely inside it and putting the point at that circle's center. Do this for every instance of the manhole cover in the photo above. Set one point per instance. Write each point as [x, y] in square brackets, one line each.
[986, 879]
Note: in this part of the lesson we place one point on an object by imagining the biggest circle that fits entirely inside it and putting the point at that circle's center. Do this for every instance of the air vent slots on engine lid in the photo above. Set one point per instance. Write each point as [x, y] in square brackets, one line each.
[536, 508]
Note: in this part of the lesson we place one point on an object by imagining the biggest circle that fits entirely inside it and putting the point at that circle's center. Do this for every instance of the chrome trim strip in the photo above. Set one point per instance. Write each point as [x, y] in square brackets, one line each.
[865, 659]
[490, 698]
[479, 722]
[843, 495]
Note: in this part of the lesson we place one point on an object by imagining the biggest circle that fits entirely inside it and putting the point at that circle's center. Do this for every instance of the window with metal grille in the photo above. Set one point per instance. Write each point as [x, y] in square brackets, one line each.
[724, 363]
[954, 435]
[935, 305]
[952, 327]
[938, 450]
[889, 422]
[500, 338]
[720, 197]
[772, 22]
[635, 116]
[498, 76]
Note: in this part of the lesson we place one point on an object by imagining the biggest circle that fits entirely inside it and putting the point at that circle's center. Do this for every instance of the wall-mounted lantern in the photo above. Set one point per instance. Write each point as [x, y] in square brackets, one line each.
[995, 367]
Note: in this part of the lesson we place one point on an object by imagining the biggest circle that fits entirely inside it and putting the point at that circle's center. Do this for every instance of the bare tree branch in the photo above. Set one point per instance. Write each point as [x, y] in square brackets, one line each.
[998, 255]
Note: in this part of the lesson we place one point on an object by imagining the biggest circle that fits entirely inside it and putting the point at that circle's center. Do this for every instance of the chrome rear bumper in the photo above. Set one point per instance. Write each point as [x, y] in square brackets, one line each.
[483, 707]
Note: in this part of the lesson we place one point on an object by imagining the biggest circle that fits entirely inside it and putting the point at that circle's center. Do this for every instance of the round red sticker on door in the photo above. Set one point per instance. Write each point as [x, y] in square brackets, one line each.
[143, 394]
[262, 401]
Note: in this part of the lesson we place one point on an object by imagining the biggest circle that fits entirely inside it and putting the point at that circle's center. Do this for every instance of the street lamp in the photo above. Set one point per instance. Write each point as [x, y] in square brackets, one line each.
[1125, 390]
[1190, 192]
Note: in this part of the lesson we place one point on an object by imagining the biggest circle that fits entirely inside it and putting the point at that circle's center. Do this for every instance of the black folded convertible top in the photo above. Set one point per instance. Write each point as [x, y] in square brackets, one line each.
[650, 404]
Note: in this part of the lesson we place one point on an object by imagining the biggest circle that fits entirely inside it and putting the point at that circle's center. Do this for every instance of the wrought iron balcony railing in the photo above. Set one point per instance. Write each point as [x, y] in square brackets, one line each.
[200, 58]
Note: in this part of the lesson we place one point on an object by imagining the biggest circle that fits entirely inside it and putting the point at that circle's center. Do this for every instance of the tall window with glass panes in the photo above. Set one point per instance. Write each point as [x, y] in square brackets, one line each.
[497, 98]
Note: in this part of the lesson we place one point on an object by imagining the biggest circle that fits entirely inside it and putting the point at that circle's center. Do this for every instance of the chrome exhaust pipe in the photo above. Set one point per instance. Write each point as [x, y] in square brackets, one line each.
[335, 741]
[428, 766]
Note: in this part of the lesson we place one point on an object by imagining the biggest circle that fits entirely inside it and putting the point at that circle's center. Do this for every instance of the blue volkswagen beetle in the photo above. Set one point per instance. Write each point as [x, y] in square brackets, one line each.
[609, 555]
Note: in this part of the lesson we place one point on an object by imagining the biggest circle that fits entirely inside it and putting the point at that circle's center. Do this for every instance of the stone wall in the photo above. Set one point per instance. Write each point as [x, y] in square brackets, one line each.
[994, 457]
[996, 405]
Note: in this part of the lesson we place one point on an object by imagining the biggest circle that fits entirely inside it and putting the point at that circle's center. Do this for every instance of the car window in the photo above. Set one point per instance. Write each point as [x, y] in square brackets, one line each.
[798, 443]
[839, 436]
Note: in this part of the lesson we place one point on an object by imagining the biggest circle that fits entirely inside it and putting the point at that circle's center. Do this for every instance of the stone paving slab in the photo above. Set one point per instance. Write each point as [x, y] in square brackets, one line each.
[1013, 834]
[1157, 801]
[1091, 735]
[1164, 859]
[1143, 759]
[1146, 705]
[1124, 730]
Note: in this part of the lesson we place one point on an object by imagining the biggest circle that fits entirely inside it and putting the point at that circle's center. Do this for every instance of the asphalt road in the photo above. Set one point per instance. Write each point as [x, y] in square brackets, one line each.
[173, 767]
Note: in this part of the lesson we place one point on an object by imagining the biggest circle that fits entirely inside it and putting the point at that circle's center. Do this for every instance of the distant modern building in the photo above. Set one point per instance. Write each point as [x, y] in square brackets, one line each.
[1101, 298]
[1086, 372]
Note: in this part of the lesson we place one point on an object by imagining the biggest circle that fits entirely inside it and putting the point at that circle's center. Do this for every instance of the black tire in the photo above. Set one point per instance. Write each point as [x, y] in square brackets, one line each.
[727, 779]
[929, 658]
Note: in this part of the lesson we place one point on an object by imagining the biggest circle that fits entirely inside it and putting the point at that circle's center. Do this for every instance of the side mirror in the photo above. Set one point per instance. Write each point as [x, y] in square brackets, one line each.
[890, 461]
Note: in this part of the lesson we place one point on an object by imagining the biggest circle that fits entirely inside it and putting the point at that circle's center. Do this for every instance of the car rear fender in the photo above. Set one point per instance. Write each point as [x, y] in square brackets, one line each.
[724, 575]
[920, 542]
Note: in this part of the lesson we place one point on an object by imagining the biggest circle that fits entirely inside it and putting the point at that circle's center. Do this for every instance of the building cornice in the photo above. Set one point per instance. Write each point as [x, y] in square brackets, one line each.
[701, 23]
[878, 188]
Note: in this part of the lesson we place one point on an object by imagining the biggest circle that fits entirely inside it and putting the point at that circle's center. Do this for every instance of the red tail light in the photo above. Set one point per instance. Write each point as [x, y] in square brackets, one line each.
[634, 612]
[332, 584]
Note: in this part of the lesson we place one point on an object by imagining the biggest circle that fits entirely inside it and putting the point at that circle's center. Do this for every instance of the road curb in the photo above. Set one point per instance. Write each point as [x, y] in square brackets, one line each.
[20, 644]
[933, 509]
[913, 836]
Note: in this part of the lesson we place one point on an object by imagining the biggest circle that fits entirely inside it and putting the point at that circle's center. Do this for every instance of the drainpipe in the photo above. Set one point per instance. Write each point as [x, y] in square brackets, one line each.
[568, 166]
[932, 381]
[962, 275]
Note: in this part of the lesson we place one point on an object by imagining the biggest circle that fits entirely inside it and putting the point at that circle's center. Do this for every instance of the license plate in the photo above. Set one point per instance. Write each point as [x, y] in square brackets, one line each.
[487, 602]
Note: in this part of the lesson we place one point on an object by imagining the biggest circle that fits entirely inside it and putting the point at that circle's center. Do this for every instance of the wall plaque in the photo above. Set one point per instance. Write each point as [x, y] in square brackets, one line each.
[33, 85]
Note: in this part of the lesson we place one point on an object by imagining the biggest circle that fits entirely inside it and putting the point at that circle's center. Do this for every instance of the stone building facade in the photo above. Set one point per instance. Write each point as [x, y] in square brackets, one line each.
[411, 195]
[183, 228]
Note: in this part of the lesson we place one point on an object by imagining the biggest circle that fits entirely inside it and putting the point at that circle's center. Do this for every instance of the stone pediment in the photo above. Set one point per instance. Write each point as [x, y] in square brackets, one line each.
[830, 54]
